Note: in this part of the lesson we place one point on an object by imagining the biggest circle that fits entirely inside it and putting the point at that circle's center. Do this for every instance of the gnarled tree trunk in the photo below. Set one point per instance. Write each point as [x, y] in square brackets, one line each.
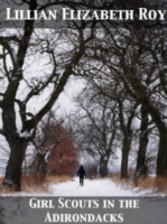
[14, 168]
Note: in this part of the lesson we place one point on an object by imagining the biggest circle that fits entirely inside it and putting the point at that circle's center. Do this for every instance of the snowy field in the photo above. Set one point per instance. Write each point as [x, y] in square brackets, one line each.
[99, 187]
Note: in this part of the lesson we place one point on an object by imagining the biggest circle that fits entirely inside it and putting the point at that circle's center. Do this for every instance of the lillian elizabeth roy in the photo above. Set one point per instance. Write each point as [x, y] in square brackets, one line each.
[71, 14]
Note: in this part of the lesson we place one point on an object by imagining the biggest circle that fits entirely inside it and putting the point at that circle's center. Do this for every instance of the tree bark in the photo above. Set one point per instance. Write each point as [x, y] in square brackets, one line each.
[155, 113]
[141, 169]
[13, 173]
[126, 147]
[124, 164]
[103, 169]
[162, 154]
[41, 167]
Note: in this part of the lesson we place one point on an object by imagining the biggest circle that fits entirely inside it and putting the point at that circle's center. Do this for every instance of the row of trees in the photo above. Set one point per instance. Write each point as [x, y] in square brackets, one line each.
[125, 100]
[103, 127]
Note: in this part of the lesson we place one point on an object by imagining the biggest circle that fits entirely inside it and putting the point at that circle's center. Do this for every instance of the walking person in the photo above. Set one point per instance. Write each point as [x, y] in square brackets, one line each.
[81, 174]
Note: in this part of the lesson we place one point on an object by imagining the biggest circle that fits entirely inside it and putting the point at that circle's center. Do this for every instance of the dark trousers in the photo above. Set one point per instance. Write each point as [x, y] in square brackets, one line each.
[81, 181]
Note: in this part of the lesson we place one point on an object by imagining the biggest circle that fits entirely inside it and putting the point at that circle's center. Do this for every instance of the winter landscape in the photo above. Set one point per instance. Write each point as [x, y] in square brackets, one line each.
[98, 187]
[83, 105]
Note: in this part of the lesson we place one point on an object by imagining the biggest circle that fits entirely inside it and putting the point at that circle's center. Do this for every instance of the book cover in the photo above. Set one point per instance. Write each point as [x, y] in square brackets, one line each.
[83, 89]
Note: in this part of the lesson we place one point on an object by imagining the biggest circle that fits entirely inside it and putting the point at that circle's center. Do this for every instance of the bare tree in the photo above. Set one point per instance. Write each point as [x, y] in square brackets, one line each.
[96, 129]
[140, 64]
[34, 62]
[141, 166]
[126, 115]
[122, 66]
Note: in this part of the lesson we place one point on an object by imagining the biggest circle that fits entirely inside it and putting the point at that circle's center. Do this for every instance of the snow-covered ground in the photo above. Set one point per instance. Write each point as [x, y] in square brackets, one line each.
[98, 187]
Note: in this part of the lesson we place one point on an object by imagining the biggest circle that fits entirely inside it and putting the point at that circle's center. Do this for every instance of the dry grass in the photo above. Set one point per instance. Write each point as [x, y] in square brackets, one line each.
[158, 184]
[117, 180]
[31, 184]
[149, 182]
[161, 184]
[57, 179]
